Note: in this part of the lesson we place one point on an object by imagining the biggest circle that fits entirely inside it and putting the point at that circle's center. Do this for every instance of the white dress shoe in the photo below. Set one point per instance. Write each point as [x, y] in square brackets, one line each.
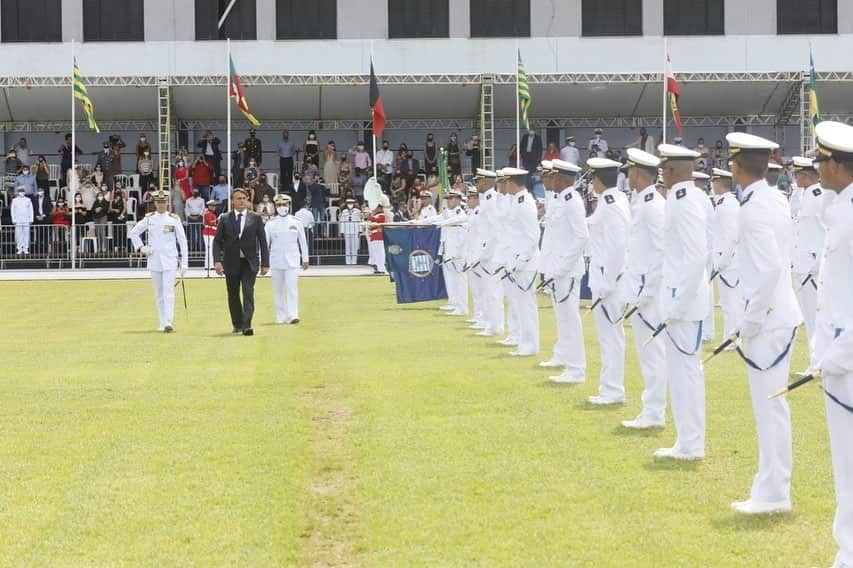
[446, 308]
[470, 320]
[508, 341]
[750, 507]
[279, 322]
[550, 364]
[643, 423]
[456, 313]
[601, 401]
[567, 379]
[521, 354]
[485, 333]
[679, 455]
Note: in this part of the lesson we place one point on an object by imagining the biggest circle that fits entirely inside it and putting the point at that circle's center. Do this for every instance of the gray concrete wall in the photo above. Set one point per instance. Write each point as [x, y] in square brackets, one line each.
[460, 18]
[362, 19]
[845, 17]
[169, 20]
[653, 17]
[72, 20]
[555, 18]
[265, 10]
[754, 17]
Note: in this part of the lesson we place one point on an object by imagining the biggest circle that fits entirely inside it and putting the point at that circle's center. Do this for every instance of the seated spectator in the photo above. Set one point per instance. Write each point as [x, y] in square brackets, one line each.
[399, 190]
[89, 191]
[219, 193]
[97, 177]
[202, 174]
[401, 212]
[266, 208]
[251, 174]
[117, 217]
[148, 199]
[42, 174]
[263, 188]
[344, 175]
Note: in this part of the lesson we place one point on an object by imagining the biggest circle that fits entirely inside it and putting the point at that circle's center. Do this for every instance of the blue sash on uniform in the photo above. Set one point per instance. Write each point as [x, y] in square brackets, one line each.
[831, 396]
[695, 349]
[775, 362]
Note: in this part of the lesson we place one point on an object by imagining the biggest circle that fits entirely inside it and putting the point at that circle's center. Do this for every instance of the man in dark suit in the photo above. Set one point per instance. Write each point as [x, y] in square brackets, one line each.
[239, 236]
[409, 168]
[299, 193]
[42, 208]
[209, 147]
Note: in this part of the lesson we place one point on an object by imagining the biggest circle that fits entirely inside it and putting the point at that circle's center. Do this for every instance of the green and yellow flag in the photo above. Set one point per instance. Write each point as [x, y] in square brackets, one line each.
[524, 98]
[80, 92]
[814, 109]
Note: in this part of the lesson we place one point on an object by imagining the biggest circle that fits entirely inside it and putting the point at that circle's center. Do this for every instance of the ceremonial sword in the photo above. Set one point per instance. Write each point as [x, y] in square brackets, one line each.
[796, 384]
[722, 346]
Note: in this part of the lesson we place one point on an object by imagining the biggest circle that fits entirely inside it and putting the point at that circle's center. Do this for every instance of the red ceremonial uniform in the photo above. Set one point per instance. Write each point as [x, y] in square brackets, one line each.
[209, 223]
[376, 232]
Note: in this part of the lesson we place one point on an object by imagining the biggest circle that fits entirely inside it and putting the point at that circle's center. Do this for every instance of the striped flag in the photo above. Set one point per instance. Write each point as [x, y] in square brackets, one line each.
[235, 91]
[376, 104]
[814, 109]
[673, 93]
[523, 92]
[80, 92]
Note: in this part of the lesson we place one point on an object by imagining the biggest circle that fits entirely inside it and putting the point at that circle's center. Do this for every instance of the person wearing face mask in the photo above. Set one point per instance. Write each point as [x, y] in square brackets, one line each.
[98, 214]
[117, 217]
[107, 161]
[145, 167]
[701, 163]
[208, 231]
[142, 146]
[26, 180]
[194, 209]
[97, 176]
[349, 223]
[265, 208]
[42, 209]
[42, 173]
[182, 177]
[531, 151]
[330, 162]
[22, 217]
[251, 174]
[64, 152]
[312, 148]
[254, 149]
[430, 155]
[599, 142]
[165, 236]
[286, 154]
[288, 248]
[60, 217]
[454, 157]
[209, 147]
[385, 163]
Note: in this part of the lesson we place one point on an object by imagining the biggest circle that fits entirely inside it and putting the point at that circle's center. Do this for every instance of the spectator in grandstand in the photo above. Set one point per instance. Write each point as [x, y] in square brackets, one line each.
[178, 201]
[409, 168]
[116, 144]
[251, 175]
[472, 150]
[117, 217]
[330, 162]
[209, 221]
[645, 142]
[202, 173]
[720, 156]
[81, 212]
[97, 177]
[98, 213]
[148, 199]
[254, 149]
[219, 193]
[263, 188]
[344, 175]
[701, 163]
[286, 155]
[107, 161]
[317, 199]
[312, 148]
[237, 158]
[145, 167]
[142, 146]
[454, 156]
[22, 149]
[265, 208]
[310, 170]
[26, 180]
[209, 146]
[569, 152]
[399, 191]
[194, 210]
[416, 189]
[42, 173]
[64, 152]
[401, 212]
[384, 163]
[360, 159]
[307, 218]
[13, 164]
[182, 177]
[598, 143]
[22, 218]
[551, 153]
[299, 193]
[512, 157]
[430, 155]
[60, 215]
[401, 155]
[42, 208]
[678, 141]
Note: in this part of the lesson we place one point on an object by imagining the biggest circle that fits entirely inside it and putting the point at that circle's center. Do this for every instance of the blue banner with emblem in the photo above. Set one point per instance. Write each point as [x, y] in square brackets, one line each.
[411, 254]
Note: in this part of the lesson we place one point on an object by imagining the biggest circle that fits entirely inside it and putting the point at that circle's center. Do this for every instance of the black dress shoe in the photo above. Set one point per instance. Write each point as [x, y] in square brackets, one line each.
[168, 329]
[294, 320]
[248, 331]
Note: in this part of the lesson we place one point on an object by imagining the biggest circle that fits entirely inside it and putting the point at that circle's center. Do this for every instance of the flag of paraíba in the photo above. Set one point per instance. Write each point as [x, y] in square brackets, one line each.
[376, 104]
[411, 254]
[81, 93]
[235, 90]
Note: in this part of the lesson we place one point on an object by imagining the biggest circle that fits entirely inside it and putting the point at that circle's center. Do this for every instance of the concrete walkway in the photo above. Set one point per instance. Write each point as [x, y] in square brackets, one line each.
[137, 273]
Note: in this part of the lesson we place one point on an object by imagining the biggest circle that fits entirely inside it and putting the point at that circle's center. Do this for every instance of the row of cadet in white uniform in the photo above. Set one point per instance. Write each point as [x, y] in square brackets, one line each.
[653, 259]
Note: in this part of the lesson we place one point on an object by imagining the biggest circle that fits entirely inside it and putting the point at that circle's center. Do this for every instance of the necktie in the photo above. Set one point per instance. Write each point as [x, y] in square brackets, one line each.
[239, 224]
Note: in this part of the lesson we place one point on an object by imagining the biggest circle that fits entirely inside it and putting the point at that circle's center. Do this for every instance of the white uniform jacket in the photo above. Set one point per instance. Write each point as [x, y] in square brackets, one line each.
[608, 240]
[165, 235]
[287, 243]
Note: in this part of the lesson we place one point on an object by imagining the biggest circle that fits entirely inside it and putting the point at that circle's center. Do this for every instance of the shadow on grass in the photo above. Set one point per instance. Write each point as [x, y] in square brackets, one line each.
[144, 332]
[638, 433]
[739, 522]
[554, 385]
[668, 464]
[586, 406]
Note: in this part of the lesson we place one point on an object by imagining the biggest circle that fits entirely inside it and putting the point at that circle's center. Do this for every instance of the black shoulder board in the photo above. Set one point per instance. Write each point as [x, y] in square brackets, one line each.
[568, 196]
[720, 201]
[458, 210]
[608, 199]
[489, 196]
[816, 191]
[745, 199]
[521, 199]
[649, 197]
[680, 193]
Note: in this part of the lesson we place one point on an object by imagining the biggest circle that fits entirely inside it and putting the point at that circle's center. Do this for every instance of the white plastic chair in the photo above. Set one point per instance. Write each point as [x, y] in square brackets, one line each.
[132, 181]
[272, 179]
[334, 188]
[122, 178]
[333, 215]
[54, 176]
[131, 208]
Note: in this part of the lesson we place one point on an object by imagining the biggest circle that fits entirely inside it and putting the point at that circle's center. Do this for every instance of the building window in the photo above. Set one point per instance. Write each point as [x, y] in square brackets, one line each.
[500, 18]
[612, 17]
[807, 16]
[693, 17]
[241, 22]
[418, 18]
[108, 20]
[31, 20]
[298, 19]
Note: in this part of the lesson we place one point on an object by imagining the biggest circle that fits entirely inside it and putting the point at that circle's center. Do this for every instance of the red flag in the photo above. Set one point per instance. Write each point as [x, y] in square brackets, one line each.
[235, 91]
[673, 94]
[376, 104]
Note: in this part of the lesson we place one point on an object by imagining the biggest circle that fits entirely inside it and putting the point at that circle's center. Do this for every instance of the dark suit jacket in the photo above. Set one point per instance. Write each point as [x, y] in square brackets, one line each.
[47, 207]
[214, 144]
[531, 159]
[227, 245]
[409, 170]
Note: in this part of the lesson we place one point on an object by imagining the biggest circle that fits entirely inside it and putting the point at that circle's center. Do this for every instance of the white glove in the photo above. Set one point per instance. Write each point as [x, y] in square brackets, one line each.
[146, 250]
[183, 271]
[748, 329]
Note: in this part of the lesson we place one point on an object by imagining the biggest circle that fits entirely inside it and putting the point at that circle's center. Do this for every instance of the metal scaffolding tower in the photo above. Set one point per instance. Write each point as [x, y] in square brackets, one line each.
[164, 132]
[487, 121]
[805, 118]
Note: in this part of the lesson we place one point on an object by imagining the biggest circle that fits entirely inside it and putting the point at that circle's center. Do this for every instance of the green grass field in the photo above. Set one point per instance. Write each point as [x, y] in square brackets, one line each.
[369, 435]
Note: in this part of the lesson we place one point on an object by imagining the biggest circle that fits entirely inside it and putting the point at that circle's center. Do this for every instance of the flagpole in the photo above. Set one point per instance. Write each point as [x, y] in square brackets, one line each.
[72, 243]
[663, 113]
[228, 115]
[811, 118]
[517, 111]
[373, 126]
